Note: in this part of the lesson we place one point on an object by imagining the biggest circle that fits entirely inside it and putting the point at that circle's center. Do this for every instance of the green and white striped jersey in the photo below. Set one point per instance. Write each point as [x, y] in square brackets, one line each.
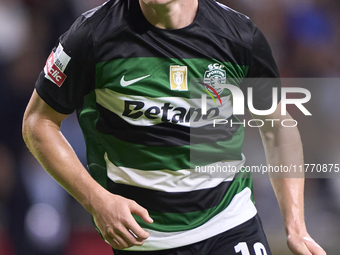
[137, 91]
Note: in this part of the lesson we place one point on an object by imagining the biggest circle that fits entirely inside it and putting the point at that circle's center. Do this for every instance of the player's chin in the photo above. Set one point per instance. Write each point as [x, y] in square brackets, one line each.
[158, 2]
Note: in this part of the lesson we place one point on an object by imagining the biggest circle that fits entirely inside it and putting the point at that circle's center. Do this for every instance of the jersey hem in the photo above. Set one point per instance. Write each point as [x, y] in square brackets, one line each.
[240, 210]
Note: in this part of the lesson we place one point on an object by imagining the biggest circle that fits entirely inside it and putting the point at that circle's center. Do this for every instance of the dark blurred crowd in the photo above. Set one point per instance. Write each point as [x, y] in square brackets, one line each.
[37, 217]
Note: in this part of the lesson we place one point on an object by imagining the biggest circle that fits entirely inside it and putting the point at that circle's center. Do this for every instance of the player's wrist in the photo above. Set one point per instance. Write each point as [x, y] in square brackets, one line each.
[94, 199]
[296, 228]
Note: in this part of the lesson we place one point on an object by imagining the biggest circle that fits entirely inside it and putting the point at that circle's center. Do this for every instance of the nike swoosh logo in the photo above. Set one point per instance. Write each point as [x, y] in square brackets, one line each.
[124, 83]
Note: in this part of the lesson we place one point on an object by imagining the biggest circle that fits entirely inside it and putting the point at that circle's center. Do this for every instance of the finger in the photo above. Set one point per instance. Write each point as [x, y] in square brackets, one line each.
[136, 231]
[134, 235]
[116, 245]
[141, 212]
[113, 243]
[140, 241]
[116, 238]
[127, 236]
[299, 248]
[314, 247]
[122, 241]
[131, 238]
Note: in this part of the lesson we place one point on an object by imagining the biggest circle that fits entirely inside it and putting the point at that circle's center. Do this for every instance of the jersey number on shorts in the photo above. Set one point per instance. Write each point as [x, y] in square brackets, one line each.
[242, 248]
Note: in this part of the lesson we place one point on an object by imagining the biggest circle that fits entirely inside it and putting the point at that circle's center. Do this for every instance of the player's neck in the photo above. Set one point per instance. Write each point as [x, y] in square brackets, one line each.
[174, 14]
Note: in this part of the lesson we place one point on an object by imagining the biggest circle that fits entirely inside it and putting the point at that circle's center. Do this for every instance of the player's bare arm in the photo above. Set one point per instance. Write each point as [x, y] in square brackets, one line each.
[283, 147]
[41, 132]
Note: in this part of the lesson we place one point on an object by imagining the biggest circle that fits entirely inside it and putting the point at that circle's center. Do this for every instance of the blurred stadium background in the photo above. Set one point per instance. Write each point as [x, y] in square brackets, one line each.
[37, 217]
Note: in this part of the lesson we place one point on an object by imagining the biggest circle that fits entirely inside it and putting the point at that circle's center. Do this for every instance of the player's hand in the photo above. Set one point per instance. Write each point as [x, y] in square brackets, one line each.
[304, 245]
[113, 217]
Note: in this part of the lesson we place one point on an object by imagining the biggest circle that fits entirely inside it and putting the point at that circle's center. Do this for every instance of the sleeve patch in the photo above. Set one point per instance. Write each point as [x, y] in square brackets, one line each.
[55, 66]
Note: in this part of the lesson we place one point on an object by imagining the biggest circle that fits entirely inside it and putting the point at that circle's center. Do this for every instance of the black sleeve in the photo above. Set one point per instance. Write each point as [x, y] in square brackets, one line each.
[262, 74]
[69, 73]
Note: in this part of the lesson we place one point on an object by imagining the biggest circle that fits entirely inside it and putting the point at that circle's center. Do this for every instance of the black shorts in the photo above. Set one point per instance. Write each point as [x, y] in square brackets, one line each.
[245, 239]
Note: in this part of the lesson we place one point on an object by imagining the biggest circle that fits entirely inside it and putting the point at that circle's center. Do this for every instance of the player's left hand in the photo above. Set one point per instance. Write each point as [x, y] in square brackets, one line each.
[303, 244]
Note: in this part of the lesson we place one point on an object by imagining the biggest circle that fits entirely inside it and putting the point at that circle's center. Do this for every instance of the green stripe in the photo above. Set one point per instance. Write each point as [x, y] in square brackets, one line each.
[173, 222]
[109, 74]
[146, 157]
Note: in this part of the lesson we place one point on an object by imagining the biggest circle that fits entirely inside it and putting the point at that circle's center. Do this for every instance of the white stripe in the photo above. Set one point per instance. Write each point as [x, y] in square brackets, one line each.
[240, 209]
[171, 181]
[115, 102]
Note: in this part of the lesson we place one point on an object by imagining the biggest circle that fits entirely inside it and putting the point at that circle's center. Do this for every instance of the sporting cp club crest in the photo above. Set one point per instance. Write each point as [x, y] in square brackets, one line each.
[214, 77]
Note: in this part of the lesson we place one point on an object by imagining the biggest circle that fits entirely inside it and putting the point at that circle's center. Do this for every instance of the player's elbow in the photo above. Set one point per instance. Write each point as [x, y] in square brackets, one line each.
[28, 124]
[31, 126]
